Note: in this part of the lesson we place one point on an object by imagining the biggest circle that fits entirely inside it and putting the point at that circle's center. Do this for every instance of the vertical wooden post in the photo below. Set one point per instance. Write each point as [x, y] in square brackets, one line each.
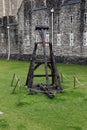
[55, 71]
[15, 86]
[19, 88]
[61, 77]
[30, 75]
[12, 80]
[46, 66]
[74, 82]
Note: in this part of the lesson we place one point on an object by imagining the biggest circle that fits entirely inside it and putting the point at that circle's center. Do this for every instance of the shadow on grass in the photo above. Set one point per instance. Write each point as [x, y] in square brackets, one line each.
[74, 94]
[21, 104]
[3, 124]
[75, 128]
[21, 127]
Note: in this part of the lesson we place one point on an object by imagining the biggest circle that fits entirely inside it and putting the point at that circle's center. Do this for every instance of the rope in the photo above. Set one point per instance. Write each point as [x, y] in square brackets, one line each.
[66, 77]
[17, 83]
[80, 82]
[16, 77]
[17, 80]
[74, 80]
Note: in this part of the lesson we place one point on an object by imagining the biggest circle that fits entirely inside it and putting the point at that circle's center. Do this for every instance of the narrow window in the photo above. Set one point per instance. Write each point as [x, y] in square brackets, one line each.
[58, 19]
[37, 38]
[47, 38]
[59, 39]
[85, 17]
[85, 39]
[47, 21]
[2, 37]
[71, 39]
[71, 18]
[27, 22]
[12, 6]
[27, 36]
[27, 40]
[45, 2]
[37, 22]
[62, 1]
[58, 23]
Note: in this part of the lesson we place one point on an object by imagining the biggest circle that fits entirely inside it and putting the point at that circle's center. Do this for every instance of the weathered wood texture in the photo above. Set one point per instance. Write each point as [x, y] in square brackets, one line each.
[52, 65]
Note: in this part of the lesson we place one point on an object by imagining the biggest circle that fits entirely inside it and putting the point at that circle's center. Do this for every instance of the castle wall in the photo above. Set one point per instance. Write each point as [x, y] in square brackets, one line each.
[73, 23]
[9, 7]
[8, 22]
[24, 28]
[69, 29]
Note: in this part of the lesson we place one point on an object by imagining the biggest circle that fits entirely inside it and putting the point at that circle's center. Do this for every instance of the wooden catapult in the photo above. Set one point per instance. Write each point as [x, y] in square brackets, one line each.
[46, 88]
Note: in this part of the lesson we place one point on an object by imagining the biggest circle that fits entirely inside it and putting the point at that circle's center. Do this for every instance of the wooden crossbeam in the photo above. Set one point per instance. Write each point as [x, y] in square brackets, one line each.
[42, 75]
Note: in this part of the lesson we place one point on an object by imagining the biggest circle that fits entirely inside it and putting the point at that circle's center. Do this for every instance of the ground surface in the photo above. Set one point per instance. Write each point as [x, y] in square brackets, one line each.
[67, 111]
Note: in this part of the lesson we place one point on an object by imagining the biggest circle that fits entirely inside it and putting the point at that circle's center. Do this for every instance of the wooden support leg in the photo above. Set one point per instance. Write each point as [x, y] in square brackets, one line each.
[46, 67]
[52, 74]
[55, 71]
[30, 75]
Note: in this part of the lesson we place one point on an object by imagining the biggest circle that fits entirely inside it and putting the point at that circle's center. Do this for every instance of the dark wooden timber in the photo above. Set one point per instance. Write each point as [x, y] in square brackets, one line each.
[55, 74]
[29, 81]
[34, 64]
[42, 75]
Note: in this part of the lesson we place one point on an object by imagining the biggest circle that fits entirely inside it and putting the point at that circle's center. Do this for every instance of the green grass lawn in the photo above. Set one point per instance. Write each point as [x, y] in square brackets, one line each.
[67, 111]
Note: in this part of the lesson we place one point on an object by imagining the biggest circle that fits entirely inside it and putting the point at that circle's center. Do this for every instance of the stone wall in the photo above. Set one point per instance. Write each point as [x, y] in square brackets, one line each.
[70, 30]
[9, 7]
[8, 22]
[70, 42]
[24, 28]
[73, 25]
[69, 27]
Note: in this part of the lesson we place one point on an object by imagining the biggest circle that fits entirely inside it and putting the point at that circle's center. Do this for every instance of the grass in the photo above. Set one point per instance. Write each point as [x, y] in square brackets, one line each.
[67, 111]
